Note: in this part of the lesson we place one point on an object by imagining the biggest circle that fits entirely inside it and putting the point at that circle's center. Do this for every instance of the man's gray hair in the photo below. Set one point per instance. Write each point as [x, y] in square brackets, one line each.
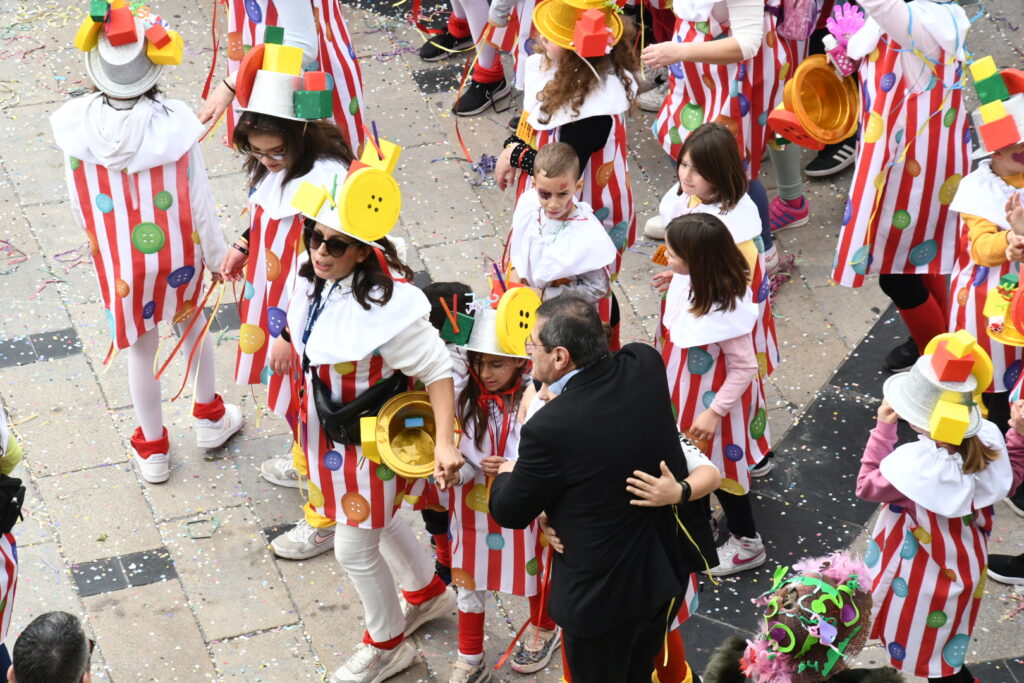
[51, 649]
[572, 323]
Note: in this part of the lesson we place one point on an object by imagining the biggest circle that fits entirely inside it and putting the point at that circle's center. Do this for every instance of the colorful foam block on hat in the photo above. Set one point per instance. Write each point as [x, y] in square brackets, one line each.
[170, 54]
[517, 313]
[949, 367]
[949, 422]
[313, 104]
[368, 436]
[157, 35]
[98, 10]
[993, 111]
[999, 134]
[391, 152]
[450, 336]
[309, 199]
[284, 59]
[962, 342]
[121, 27]
[314, 80]
[991, 89]
[983, 68]
[591, 36]
[88, 34]
[274, 35]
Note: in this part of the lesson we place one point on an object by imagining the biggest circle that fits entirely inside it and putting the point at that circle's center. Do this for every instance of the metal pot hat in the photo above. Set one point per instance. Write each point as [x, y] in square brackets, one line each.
[365, 204]
[818, 107]
[589, 28]
[941, 392]
[125, 52]
[270, 81]
[999, 121]
[484, 336]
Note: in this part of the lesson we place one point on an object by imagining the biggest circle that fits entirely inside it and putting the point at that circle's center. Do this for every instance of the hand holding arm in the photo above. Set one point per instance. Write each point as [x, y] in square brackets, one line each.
[447, 458]
[218, 101]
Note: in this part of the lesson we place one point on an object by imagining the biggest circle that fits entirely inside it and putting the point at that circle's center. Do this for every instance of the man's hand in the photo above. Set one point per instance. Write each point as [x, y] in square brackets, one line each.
[506, 466]
[491, 464]
[553, 540]
[653, 491]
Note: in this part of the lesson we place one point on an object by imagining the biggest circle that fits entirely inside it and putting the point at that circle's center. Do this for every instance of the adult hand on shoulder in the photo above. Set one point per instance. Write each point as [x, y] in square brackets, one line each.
[651, 491]
[280, 357]
[662, 280]
[216, 104]
[1017, 417]
[553, 540]
[231, 266]
[661, 54]
[447, 461]
[886, 414]
[504, 172]
[491, 464]
[705, 426]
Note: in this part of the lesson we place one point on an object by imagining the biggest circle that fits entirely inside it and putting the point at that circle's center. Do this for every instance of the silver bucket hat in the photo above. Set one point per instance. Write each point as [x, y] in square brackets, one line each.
[913, 395]
[484, 336]
[122, 71]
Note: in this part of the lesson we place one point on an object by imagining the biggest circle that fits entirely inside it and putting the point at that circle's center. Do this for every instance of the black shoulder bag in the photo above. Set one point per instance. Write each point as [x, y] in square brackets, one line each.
[12, 496]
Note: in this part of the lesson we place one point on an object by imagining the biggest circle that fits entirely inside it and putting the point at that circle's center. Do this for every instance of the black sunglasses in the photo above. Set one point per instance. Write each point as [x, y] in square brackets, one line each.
[336, 246]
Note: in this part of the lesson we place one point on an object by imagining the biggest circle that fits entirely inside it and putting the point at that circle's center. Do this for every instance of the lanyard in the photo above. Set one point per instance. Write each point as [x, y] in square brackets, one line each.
[314, 312]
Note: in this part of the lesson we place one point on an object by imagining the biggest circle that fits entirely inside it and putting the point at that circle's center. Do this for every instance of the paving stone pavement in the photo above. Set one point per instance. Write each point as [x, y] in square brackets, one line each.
[167, 607]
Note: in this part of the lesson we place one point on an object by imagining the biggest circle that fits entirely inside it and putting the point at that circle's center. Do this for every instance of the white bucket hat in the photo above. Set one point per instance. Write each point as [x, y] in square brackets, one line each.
[122, 71]
[914, 396]
[484, 336]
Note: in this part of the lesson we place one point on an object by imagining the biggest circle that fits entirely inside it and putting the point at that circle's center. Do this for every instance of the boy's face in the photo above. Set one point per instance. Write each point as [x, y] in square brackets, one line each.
[556, 193]
[1010, 160]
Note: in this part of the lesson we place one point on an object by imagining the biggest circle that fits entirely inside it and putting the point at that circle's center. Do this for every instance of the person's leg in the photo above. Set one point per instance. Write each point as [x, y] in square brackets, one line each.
[487, 83]
[358, 551]
[938, 286]
[471, 625]
[203, 370]
[998, 404]
[789, 209]
[143, 385]
[600, 658]
[1008, 569]
[648, 638]
[216, 421]
[436, 524]
[455, 37]
[541, 638]
[920, 312]
[739, 513]
[961, 676]
[744, 548]
[424, 592]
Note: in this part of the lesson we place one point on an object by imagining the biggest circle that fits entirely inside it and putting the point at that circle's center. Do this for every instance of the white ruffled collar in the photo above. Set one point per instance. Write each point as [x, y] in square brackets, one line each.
[609, 99]
[743, 221]
[982, 193]
[687, 330]
[274, 196]
[933, 478]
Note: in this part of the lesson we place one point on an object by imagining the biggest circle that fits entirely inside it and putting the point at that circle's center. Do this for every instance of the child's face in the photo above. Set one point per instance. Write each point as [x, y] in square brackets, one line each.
[692, 182]
[556, 193]
[553, 52]
[676, 264]
[496, 372]
[270, 150]
[1010, 160]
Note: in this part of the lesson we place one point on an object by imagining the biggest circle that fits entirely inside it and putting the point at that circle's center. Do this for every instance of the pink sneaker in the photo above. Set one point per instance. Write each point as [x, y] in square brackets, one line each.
[787, 213]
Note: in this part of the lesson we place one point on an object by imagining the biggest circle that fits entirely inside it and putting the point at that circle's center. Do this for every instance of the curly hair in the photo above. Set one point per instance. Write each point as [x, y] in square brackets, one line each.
[574, 80]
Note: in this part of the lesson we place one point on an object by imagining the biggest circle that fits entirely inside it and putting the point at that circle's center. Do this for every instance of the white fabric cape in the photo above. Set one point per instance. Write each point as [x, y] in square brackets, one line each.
[609, 99]
[687, 330]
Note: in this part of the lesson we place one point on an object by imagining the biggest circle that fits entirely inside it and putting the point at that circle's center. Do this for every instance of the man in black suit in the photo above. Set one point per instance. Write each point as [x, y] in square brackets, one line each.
[624, 567]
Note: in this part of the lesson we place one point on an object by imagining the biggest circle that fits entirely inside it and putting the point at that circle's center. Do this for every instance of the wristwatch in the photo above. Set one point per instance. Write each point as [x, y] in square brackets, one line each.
[687, 491]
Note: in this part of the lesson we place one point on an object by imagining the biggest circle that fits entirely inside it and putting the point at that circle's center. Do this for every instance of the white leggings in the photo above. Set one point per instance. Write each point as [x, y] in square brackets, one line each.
[475, 12]
[369, 556]
[145, 388]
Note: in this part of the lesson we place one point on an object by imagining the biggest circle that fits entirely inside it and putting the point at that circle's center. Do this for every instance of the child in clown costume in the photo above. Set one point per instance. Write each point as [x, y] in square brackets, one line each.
[929, 548]
[913, 152]
[139, 189]
[318, 28]
[355, 321]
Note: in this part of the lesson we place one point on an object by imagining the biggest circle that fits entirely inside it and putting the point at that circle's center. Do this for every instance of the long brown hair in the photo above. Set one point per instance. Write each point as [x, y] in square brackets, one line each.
[304, 143]
[574, 80]
[715, 155]
[976, 455]
[368, 277]
[718, 270]
[469, 409]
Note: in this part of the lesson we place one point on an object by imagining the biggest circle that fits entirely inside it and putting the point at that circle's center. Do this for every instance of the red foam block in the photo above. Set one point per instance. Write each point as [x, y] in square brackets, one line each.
[121, 27]
[157, 35]
[314, 80]
[948, 367]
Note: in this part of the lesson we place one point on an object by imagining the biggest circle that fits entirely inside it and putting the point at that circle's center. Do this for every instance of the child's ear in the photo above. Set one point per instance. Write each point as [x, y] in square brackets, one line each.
[579, 184]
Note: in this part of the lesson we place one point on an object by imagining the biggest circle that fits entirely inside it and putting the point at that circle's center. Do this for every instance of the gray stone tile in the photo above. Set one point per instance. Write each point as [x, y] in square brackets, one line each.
[231, 579]
[464, 261]
[44, 585]
[36, 527]
[29, 309]
[29, 153]
[281, 655]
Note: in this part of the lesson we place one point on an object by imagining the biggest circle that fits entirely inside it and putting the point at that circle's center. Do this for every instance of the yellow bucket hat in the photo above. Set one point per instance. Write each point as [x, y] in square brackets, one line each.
[589, 28]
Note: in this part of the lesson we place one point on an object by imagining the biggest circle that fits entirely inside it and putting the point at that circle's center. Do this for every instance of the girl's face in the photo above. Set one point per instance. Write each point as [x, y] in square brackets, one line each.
[335, 255]
[693, 183]
[675, 263]
[553, 52]
[497, 372]
[270, 150]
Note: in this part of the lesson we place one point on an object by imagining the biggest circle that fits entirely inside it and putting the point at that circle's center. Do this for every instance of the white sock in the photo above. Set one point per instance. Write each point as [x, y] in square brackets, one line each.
[475, 660]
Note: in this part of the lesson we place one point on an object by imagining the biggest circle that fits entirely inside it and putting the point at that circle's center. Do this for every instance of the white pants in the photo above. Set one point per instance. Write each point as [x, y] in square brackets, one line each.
[471, 601]
[475, 12]
[369, 556]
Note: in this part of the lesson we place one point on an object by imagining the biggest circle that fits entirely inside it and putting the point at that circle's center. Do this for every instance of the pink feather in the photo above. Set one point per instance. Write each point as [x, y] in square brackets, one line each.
[765, 665]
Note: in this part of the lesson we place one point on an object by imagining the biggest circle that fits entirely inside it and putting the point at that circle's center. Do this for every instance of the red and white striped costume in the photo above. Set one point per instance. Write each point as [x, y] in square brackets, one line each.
[927, 554]
[484, 555]
[343, 486]
[738, 96]
[247, 20]
[983, 194]
[696, 368]
[149, 227]
[275, 229]
[744, 222]
[8, 581]
[912, 154]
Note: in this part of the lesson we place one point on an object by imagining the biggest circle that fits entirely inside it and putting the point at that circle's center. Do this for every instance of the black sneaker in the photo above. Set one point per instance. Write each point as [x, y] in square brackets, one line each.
[477, 97]
[902, 358]
[1016, 501]
[1007, 569]
[432, 52]
[766, 465]
[443, 572]
[833, 159]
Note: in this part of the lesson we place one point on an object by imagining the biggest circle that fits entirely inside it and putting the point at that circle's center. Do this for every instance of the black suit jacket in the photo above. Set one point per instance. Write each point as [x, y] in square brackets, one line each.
[620, 561]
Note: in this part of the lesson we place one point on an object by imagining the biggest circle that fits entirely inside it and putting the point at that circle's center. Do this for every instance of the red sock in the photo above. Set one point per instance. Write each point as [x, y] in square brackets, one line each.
[924, 322]
[482, 74]
[676, 669]
[539, 614]
[939, 288]
[385, 644]
[147, 448]
[471, 633]
[443, 549]
[458, 27]
[428, 592]
[214, 410]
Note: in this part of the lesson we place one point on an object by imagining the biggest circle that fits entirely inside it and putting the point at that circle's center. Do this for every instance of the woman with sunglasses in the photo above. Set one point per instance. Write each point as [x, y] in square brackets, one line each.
[356, 321]
[281, 152]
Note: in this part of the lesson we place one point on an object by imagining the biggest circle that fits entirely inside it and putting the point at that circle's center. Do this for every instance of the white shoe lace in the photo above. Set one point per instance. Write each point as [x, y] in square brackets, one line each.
[302, 532]
[363, 658]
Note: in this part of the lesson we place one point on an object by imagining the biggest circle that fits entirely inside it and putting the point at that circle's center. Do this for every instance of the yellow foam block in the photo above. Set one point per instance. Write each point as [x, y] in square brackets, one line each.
[391, 153]
[117, 3]
[309, 198]
[284, 59]
[88, 34]
[983, 68]
[368, 436]
[949, 422]
[993, 111]
[170, 54]
[961, 344]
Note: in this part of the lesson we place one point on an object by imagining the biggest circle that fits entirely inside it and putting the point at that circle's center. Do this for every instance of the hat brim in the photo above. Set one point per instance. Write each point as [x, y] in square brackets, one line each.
[546, 27]
[493, 352]
[895, 392]
[97, 74]
[276, 115]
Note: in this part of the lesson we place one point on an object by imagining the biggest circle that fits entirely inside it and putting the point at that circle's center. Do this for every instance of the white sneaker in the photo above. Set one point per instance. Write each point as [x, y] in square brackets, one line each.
[653, 99]
[739, 554]
[303, 542]
[654, 229]
[417, 615]
[213, 433]
[652, 79]
[280, 471]
[369, 664]
[464, 672]
[156, 469]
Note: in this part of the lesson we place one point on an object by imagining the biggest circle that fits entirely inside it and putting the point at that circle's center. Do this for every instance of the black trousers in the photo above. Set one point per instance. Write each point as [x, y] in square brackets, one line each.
[623, 655]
